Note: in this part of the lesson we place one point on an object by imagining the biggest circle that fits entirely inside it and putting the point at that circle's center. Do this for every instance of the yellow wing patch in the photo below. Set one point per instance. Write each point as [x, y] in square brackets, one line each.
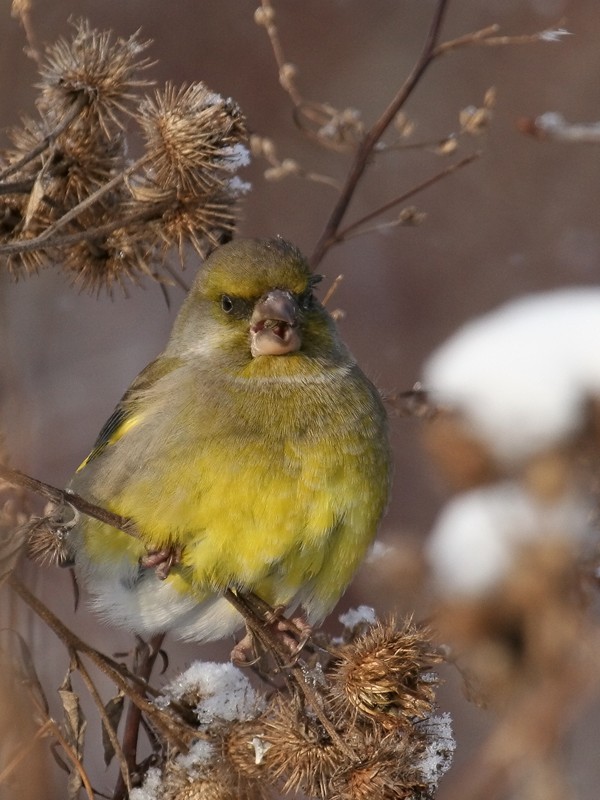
[117, 425]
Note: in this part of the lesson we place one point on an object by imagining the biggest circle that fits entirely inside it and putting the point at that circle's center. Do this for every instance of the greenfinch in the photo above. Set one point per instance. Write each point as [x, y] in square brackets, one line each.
[252, 455]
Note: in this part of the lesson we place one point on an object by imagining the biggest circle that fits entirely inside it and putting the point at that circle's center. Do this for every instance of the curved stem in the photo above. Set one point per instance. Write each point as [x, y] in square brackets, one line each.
[61, 496]
[47, 140]
[428, 54]
[340, 235]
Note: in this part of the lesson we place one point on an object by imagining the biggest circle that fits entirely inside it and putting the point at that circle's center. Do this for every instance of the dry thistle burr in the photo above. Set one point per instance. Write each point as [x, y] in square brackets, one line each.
[83, 203]
[385, 675]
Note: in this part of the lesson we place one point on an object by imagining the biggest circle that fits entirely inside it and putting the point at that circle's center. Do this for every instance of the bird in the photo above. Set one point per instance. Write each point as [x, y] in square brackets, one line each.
[252, 456]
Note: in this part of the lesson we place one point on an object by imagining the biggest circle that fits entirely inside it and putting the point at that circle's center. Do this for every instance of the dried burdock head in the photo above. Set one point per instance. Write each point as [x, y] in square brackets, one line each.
[197, 221]
[95, 69]
[79, 162]
[388, 768]
[385, 675]
[114, 255]
[186, 779]
[299, 755]
[244, 746]
[26, 262]
[194, 139]
[85, 161]
[47, 536]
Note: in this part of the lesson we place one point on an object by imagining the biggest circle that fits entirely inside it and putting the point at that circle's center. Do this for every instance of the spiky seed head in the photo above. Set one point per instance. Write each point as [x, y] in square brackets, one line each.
[194, 138]
[97, 69]
[385, 674]
[299, 757]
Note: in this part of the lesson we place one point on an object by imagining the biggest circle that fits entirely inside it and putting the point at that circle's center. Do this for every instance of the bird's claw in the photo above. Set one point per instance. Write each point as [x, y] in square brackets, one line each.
[161, 561]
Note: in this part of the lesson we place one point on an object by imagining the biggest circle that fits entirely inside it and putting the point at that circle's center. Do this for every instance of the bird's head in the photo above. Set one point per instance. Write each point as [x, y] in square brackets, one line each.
[253, 299]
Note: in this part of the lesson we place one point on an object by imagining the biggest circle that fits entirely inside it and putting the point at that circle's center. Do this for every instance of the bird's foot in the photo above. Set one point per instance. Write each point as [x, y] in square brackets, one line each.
[161, 561]
[293, 633]
[283, 636]
[244, 652]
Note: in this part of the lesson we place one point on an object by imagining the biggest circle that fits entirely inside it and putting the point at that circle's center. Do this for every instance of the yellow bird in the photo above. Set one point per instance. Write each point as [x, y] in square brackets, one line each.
[253, 448]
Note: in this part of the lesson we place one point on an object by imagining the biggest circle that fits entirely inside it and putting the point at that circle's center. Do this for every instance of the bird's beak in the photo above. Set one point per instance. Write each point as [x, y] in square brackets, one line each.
[274, 325]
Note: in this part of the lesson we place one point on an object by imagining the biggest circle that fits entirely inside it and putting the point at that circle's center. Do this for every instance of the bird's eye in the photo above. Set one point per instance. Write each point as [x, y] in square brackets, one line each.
[226, 303]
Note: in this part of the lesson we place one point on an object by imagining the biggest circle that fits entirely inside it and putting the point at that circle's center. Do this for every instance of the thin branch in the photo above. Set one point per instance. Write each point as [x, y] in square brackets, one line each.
[247, 606]
[47, 140]
[72, 756]
[340, 235]
[285, 78]
[110, 731]
[22, 10]
[171, 729]
[134, 717]
[62, 497]
[487, 37]
[17, 187]
[428, 54]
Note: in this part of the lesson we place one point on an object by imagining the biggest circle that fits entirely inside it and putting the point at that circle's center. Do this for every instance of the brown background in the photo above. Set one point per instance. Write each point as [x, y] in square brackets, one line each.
[523, 218]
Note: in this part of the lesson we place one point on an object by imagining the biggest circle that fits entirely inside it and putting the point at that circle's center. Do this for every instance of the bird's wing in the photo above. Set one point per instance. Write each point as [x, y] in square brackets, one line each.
[128, 412]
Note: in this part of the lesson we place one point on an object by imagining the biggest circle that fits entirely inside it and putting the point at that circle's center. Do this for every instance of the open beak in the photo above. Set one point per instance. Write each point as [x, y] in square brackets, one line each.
[274, 325]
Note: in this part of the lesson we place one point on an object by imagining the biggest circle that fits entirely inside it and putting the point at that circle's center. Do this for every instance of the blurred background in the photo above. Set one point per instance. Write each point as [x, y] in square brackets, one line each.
[522, 218]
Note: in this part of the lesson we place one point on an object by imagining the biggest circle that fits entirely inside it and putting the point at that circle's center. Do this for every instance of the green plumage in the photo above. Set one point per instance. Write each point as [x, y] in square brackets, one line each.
[267, 472]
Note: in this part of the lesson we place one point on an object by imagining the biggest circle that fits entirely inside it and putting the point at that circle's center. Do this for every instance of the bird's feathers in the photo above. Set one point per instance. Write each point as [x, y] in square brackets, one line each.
[269, 474]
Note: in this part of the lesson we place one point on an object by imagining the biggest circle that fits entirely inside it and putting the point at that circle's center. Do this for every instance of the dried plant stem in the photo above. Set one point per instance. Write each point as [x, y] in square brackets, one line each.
[24, 751]
[48, 239]
[361, 160]
[152, 212]
[73, 758]
[47, 140]
[273, 35]
[22, 10]
[91, 199]
[256, 623]
[486, 37]
[110, 731]
[353, 228]
[62, 497]
[17, 187]
[170, 729]
[134, 718]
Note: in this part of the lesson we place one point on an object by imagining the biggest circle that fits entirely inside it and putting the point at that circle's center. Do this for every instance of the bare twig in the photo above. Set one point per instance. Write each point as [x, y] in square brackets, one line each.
[361, 160]
[341, 235]
[247, 606]
[110, 731]
[173, 730]
[144, 665]
[62, 496]
[488, 37]
[73, 758]
[61, 127]
[22, 10]
[286, 71]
